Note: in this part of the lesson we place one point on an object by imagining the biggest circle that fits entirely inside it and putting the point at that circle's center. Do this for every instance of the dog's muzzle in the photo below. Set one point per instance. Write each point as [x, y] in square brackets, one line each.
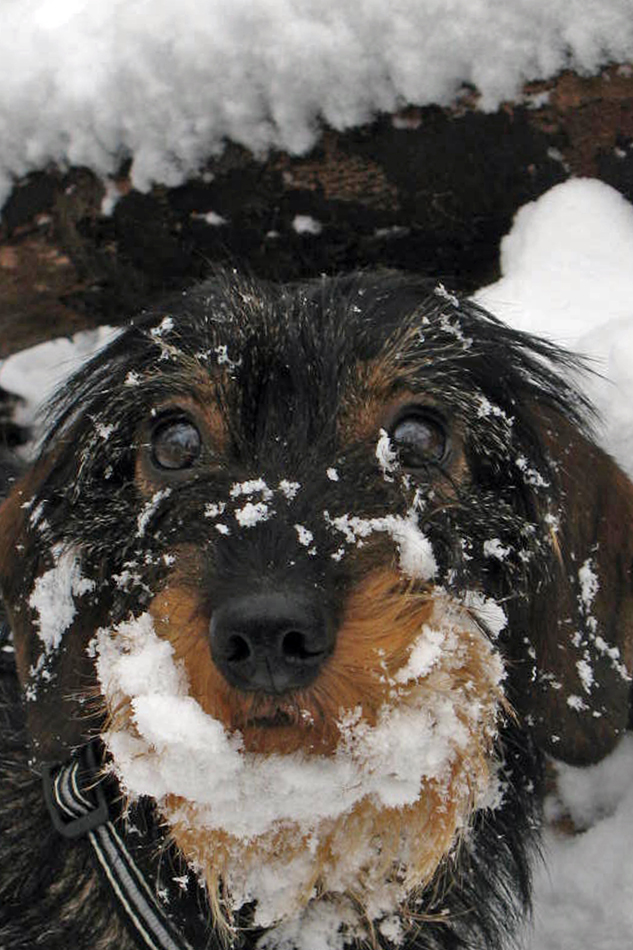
[274, 642]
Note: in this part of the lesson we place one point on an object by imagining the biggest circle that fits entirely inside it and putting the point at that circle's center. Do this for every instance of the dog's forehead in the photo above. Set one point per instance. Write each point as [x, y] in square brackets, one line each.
[297, 357]
[293, 327]
[315, 340]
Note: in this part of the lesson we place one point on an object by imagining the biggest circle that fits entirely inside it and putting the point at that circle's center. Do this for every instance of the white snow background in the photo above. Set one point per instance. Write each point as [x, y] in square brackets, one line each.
[567, 274]
[164, 82]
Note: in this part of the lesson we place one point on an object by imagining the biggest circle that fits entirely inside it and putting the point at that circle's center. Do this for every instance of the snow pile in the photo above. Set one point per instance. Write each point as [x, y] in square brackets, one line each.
[567, 275]
[35, 374]
[578, 239]
[166, 84]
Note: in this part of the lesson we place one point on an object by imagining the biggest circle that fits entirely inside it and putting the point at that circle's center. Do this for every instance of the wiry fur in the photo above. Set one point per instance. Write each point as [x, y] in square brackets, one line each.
[289, 382]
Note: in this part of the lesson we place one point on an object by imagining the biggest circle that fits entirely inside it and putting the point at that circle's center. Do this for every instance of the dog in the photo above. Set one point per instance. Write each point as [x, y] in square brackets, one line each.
[303, 587]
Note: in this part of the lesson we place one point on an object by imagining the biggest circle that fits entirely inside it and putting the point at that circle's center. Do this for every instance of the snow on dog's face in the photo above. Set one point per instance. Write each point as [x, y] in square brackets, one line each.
[277, 526]
[374, 815]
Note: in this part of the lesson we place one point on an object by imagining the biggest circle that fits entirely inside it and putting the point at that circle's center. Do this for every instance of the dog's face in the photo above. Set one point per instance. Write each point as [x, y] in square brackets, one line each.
[307, 556]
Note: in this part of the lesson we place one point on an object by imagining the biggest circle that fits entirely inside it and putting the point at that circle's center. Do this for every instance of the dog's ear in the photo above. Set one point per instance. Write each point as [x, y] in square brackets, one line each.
[576, 682]
[50, 643]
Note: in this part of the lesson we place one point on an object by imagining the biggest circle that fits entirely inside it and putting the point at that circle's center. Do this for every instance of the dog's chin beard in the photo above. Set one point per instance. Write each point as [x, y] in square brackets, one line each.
[274, 712]
[276, 719]
[366, 826]
[281, 725]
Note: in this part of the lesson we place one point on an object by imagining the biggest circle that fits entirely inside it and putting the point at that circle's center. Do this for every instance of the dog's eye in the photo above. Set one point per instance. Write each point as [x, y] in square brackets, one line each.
[420, 439]
[176, 444]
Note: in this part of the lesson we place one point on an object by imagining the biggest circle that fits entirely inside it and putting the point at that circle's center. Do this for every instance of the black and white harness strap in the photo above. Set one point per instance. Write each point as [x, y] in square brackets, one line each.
[76, 811]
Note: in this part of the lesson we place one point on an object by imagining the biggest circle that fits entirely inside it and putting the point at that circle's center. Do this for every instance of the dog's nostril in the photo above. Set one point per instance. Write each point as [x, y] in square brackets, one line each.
[294, 647]
[238, 649]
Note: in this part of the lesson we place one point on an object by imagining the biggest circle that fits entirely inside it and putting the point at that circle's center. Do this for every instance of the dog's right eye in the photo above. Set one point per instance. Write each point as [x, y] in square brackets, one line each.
[176, 444]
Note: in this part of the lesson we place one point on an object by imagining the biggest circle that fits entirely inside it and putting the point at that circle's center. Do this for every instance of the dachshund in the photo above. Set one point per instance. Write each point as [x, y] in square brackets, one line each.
[305, 584]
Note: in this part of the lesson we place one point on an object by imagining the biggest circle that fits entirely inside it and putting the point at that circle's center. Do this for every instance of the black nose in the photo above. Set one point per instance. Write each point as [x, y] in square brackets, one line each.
[274, 642]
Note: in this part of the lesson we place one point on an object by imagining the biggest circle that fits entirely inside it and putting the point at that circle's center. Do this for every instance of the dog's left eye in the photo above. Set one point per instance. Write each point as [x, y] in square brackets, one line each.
[176, 444]
[420, 439]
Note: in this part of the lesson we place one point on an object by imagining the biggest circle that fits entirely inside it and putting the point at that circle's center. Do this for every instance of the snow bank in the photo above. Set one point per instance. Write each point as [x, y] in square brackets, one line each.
[566, 274]
[584, 891]
[35, 374]
[167, 83]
